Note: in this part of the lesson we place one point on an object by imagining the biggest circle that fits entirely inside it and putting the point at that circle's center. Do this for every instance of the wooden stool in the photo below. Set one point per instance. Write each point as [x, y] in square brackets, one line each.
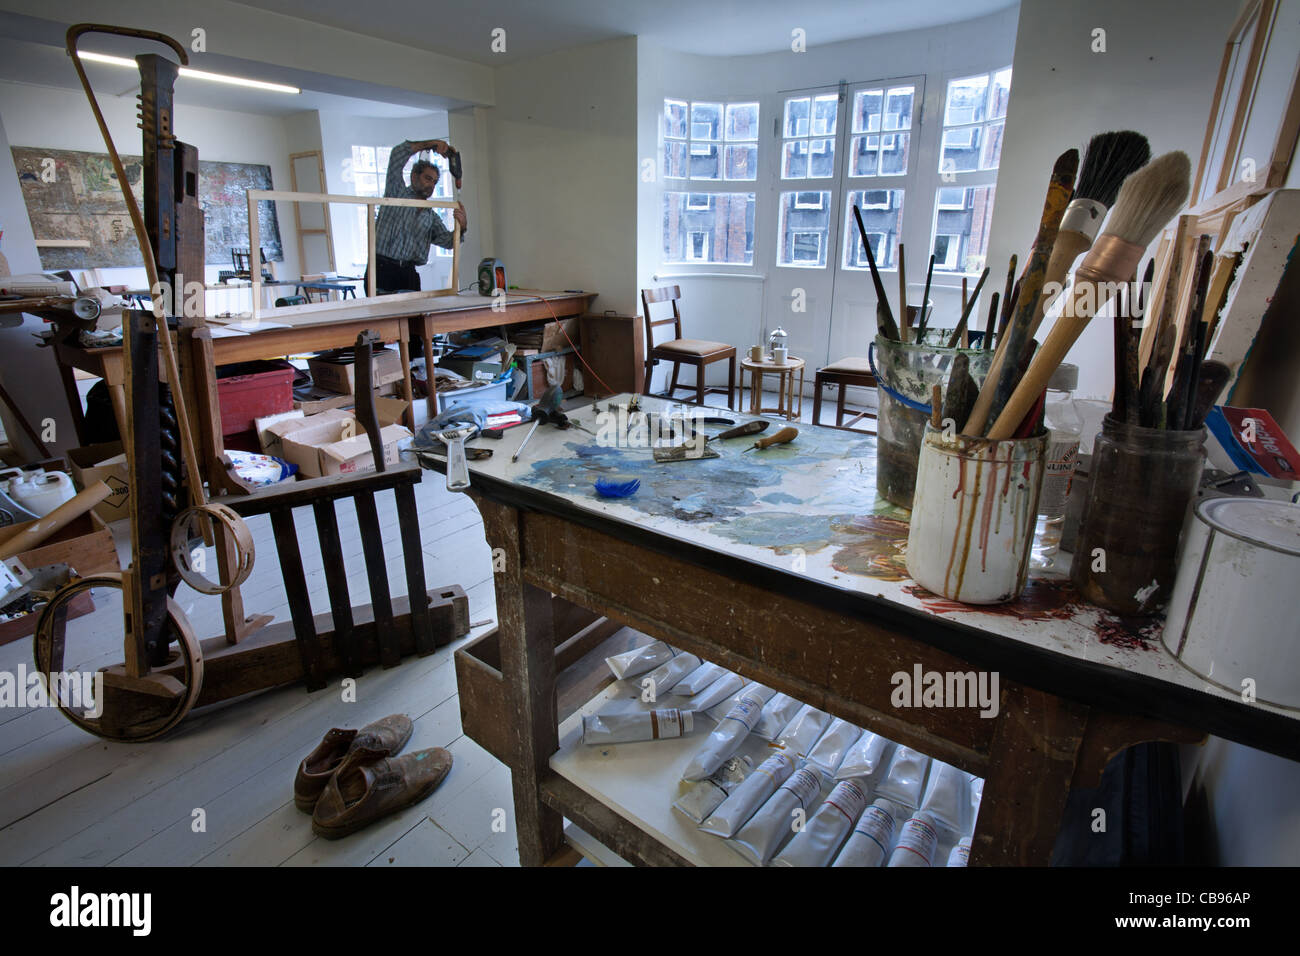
[845, 372]
[785, 385]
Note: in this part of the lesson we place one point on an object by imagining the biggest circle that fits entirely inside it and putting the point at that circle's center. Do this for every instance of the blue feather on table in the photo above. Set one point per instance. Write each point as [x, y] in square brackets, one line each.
[617, 489]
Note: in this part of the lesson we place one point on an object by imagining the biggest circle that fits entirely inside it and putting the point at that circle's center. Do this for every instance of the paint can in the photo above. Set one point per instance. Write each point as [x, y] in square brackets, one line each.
[1232, 611]
[973, 521]
[904, 373]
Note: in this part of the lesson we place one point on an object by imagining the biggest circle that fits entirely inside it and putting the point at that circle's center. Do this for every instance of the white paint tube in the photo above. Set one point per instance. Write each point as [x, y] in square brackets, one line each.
[751, 689]
[702, 798]
[776, 716]
[906, 774]
[865, 758]
[869, 843]
[976, 795]
[741, 803]
[959, 855]
[802, 732]
[728, 735]
[828, 753]
[784, 814]
[917, 842]
[818, 842]
[700, 678]
[724, 689]
[665, 677]
[631, 727]
[945, 796]
[638, 661]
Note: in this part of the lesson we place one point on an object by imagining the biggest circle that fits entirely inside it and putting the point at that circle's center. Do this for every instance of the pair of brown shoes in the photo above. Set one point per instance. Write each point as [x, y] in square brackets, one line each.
[352, 779]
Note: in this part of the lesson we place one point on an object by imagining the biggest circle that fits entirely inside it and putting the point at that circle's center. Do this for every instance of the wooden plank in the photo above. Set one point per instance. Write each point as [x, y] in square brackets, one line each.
[620, 835]
[295, 589]
[299, 494]
[372, 545]
[336, 579]
[408, 522]
[286, 196]
[1263, 29]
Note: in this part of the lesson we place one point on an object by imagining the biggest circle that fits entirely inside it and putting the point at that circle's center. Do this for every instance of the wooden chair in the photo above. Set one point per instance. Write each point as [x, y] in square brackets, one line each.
[843, 373]
[681, 351]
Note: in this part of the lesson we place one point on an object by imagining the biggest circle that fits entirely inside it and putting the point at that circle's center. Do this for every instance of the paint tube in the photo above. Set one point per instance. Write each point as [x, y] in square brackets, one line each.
[776, 716]
[917, 842]
[818, 842]
[630, 727]
[869, 843]
[945, 796]
[638, 661]
[902, 782]
[865, 758]
[701, 799]
[802, 732]
[960, 854]
[976, 795]
[741, 803]
[784, 814]
[728, 735]
[828, 752]
[666, 676]
[751, 689]
[723, 689]
[700, 678]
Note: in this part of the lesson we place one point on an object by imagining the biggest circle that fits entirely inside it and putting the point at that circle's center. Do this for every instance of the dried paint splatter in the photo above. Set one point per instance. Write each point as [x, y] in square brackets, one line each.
[1131, 633]
[1040, 601]
[870, 545]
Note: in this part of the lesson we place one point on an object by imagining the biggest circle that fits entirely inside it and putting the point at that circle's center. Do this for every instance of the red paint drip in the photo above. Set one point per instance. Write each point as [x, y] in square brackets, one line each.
[987, 517]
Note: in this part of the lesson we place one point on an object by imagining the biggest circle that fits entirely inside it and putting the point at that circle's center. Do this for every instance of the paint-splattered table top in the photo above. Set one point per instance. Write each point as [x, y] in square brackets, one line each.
[810, 510]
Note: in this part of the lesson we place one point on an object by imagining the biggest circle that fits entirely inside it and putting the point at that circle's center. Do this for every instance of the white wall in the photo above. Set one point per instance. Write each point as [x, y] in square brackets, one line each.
[563, 155]
[1152, 78]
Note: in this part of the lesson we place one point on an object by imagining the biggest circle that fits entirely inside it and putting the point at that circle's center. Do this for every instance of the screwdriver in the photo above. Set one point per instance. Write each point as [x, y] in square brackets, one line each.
[749, 428]
[780, 438]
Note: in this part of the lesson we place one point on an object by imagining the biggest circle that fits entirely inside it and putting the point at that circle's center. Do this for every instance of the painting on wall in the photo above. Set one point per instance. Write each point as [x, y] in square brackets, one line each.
[74, 195]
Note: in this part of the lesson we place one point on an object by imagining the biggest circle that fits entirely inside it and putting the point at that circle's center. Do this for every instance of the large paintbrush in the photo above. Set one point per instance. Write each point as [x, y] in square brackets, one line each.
[925, 302]
[1187, 368]
[1006, 360]
[1109, 160]
[1147, 201]
[884, 316]
[960, 333]
[990, 324]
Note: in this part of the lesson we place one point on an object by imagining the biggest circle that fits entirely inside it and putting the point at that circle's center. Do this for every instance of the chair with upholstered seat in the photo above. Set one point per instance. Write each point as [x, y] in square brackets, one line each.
[697, 353]
[843, 373]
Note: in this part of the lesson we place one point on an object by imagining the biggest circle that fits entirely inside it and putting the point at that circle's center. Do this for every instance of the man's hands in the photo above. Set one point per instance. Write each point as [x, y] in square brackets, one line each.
[435, 144]
[461, 219]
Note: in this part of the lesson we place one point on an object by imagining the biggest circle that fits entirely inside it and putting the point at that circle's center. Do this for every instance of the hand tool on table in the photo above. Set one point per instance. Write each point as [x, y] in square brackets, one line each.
[749, 428]
[454, 437]
[783, 437]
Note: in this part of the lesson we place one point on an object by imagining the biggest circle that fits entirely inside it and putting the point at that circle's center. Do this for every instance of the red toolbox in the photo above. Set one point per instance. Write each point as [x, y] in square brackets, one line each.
[250, 390]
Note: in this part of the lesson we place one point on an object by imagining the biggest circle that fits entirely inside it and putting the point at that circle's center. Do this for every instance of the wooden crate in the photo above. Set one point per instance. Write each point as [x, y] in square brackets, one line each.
[87, 553]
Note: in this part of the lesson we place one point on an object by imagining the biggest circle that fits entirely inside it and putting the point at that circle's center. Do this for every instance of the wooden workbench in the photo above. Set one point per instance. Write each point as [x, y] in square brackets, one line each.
[784, 566]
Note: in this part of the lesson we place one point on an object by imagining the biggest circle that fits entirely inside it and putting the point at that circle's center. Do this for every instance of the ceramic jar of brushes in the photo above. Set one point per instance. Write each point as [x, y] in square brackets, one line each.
[1140, 484]
[905, 373]
[972, 525]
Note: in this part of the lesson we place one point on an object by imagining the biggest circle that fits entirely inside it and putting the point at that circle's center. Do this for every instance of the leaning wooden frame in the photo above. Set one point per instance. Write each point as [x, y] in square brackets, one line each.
[370, 202]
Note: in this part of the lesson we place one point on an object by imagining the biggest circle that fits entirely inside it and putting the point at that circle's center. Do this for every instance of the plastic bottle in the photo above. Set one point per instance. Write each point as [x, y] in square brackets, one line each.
[1065, 425]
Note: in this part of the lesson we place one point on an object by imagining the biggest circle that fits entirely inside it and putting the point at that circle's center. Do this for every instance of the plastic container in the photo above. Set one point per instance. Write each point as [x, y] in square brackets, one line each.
[1140, 482]
[1064, 429]
[904, 374]
[252, 390]
[973, 522]
[475, 395]
[40, 492]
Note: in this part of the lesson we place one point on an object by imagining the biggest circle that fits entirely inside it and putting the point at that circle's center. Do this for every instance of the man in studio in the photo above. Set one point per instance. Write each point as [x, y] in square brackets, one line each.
[403, 234]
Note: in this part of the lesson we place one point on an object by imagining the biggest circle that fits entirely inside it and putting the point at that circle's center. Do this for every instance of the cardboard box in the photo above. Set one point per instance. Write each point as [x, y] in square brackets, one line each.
[105, 462]
[553, 338]
[334, 443]
[336, 371]
[470, 370]
[268, 440]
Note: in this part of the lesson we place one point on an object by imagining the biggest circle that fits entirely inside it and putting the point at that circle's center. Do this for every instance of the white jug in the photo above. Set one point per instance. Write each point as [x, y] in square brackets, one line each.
[40, 492]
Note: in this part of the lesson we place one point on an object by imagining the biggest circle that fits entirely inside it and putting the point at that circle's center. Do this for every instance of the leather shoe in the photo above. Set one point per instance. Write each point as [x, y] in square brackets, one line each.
[369, 786]
[385, 737]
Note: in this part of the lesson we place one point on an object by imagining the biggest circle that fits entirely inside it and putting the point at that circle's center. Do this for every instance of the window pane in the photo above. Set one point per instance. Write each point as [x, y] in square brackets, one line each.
[992, 152]
[882, 218]
[961, 228]
[898, 108]
[367, 184]
[893, 153]
[706, 121]
[742, 121]
[866, 110]
[966, 101]
[961, 150]
[705, 161]
[363, 159]
[803, 230]
[821, 158]
[709, 227]
[1001, 93]
[742, 162]
[675, 118]
[381, 159]
[675, 159]
[796, 116]
[795, 163]
[864, 151]
[825, 110]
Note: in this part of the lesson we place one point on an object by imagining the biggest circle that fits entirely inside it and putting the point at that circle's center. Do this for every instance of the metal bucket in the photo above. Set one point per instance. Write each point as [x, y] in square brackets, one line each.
[904, 375]
[973, 521]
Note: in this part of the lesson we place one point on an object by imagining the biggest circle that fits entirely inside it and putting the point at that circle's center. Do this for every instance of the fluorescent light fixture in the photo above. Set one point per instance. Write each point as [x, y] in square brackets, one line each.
[196, 74]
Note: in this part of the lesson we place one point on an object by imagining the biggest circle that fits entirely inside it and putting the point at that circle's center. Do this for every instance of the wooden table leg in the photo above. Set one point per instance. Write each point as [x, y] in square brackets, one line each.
[118, 394]
[431, 402]
[68, 374]
[404, 355]
[526, 631]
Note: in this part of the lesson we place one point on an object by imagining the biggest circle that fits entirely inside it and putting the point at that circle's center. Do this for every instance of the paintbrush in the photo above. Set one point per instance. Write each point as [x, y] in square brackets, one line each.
[1109, 159]
[1187, 369]
[987, 344]
[1006, 360]
[884, 317]
[1214, 375]
[936, 406]
[962, 391]
[902, 294]
[1129, 383]
[1147, 201]
[1007, 302]
[1008, 309]
[967, 307]
[1151, 392]
[925, 301]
